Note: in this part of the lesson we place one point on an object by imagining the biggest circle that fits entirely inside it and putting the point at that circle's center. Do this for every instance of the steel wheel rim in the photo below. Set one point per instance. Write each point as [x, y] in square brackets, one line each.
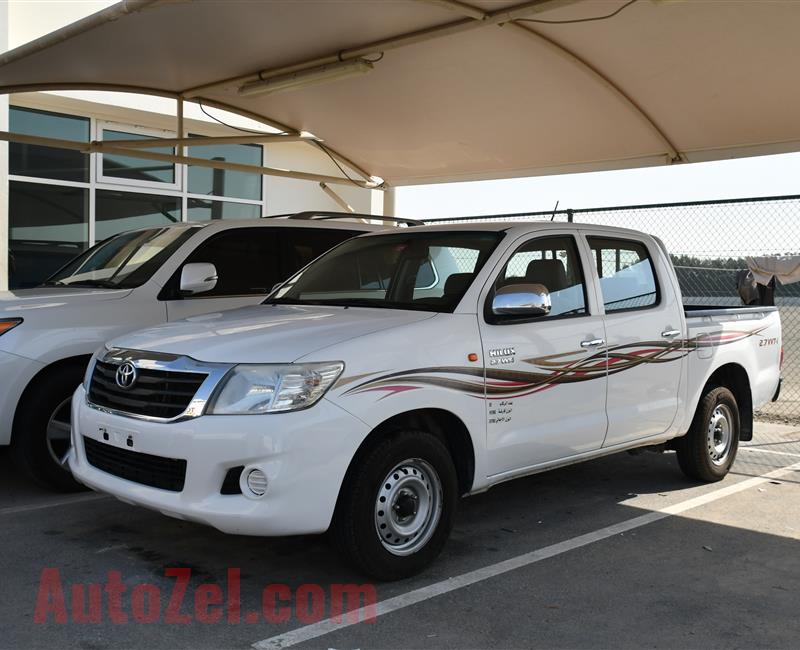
[720, 434]
[58, 434]
[408, 507]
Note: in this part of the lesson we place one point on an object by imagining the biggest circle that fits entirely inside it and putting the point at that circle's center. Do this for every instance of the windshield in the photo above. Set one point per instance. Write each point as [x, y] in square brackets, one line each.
[429, 271]
[124, 261]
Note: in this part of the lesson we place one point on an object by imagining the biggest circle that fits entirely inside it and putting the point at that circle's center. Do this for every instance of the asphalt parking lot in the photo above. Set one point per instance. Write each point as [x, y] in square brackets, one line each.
[619, 552]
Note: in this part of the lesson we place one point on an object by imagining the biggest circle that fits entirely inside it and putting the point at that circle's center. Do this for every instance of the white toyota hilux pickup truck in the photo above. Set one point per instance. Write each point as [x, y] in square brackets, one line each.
[133, 280]
[400, 371]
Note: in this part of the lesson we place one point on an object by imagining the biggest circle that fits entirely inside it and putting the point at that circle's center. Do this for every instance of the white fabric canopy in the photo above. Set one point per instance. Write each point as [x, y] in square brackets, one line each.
[460, 90]
[785, 269]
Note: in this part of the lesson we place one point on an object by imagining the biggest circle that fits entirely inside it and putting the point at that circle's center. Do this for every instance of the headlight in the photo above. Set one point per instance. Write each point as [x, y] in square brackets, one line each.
[252, 389]
[7, 324]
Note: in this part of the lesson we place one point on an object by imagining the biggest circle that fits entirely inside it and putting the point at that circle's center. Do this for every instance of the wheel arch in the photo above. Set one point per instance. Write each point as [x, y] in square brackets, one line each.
[81, 359]
[445, 425]
[734, 377]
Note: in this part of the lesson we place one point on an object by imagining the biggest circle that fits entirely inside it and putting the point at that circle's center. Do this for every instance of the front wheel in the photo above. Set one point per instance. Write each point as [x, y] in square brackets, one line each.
[707, 452]
[41, 436]
[397, 508]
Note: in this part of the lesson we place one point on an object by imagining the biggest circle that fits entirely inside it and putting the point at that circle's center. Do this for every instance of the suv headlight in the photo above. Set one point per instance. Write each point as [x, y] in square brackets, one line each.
[251, 389]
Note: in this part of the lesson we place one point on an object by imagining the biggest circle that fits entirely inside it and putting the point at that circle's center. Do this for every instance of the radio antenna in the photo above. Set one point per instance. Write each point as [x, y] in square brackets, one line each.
[553, 218]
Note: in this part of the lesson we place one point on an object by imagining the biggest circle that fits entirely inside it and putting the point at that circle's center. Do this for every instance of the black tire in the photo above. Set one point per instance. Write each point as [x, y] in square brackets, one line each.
[698, 455]
[356, 520]
[31, 450]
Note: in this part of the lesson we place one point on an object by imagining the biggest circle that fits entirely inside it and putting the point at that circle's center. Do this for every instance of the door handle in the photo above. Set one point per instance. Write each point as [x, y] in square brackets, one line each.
[592, 343]
[668, 334]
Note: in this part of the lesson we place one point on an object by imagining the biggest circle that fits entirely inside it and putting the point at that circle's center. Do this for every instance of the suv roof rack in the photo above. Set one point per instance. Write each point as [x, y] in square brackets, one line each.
[320, 215]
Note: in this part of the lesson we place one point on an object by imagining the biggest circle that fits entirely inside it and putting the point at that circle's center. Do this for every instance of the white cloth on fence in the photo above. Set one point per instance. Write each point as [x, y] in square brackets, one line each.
[785, 269]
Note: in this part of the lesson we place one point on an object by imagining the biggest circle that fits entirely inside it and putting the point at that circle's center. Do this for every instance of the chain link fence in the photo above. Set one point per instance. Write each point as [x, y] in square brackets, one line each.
[708, 242]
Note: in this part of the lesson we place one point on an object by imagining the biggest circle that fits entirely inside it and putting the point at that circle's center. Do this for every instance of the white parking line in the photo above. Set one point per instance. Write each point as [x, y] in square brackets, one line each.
[770, 451]
[315, 630]
[52, 504]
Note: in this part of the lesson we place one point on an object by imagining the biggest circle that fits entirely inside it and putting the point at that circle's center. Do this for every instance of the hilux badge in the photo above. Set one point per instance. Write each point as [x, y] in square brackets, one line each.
[126, 375]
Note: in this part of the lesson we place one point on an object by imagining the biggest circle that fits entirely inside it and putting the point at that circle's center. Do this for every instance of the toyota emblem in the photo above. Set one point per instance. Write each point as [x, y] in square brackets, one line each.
[126, 375]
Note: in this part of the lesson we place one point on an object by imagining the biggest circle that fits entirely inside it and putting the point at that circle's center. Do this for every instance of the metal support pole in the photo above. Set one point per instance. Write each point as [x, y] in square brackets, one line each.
[344, 205]
[180, 150]
[5, 231]
[389, 199]
[184, 160]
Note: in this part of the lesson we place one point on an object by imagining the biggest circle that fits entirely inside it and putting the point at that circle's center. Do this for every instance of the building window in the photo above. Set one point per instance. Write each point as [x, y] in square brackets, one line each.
[129, 170]
[221, 182]
[117, 212]
[62, 201]
[48, 226]
[47, 162]
[206, 210]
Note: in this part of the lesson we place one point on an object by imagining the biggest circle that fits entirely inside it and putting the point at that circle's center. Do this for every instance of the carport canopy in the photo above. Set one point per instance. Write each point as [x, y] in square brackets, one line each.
[423, 91]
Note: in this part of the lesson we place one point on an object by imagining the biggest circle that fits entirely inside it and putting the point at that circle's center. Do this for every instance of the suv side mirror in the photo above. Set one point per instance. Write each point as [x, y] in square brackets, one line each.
[198, 277]
[522, 300]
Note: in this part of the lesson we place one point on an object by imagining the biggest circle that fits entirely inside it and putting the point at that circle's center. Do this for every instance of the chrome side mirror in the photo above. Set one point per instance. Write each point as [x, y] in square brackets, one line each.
[522, 300]
[198, 277]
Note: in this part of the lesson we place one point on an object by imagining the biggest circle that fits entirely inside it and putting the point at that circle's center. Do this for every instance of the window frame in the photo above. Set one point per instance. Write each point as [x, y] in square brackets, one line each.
[133, 130]
[98, 190]
[224, 197]
[600, 297]
[47, 180]
[493, 319]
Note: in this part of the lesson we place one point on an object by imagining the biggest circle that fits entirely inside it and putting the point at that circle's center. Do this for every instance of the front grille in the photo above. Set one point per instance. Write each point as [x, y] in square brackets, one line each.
[156, 393]
[155, 471]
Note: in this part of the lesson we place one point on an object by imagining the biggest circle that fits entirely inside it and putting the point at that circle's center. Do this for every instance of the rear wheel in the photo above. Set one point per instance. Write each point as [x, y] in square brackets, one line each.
[707, 452]
[397, 508]
[41, 436]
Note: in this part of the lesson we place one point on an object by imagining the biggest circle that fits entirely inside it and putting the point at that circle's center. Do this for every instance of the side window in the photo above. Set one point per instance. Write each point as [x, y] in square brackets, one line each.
[246, 261]
[627, 278]
[299, 246]
[554, 263]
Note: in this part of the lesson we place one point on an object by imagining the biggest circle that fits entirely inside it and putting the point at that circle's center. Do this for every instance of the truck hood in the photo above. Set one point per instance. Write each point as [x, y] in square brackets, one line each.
[22, 301]
[265, 333]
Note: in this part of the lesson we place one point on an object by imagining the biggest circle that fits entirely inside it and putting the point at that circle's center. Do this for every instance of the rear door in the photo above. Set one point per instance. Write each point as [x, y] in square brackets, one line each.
[249, 262]
[545, 375]
[643, 331]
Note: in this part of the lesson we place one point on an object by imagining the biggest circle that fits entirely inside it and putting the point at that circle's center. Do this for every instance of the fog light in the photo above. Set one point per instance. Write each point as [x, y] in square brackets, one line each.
[257, 482]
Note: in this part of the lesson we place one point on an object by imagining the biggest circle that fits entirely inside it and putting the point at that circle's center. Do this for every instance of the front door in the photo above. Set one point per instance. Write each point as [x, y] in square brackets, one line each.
[545, 375]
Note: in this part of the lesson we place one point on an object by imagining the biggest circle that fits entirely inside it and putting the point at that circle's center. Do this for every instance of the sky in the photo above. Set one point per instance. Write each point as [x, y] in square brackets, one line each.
[740, 178]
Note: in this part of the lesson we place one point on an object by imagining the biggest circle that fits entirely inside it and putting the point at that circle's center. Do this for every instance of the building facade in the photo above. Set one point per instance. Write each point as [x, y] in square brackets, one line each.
[54, 203]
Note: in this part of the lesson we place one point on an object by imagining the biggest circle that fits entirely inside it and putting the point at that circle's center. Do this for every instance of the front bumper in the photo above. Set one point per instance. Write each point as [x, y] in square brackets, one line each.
[304, 455]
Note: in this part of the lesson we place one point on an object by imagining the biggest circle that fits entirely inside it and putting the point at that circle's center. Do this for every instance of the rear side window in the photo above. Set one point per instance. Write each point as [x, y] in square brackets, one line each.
[627, 278]
[554, 263]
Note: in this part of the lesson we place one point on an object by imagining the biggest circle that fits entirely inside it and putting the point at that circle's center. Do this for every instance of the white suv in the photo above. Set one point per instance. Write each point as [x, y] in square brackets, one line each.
[130, 281]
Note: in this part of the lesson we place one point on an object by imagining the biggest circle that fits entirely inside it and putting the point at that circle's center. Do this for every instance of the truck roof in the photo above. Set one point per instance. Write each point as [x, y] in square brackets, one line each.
[514, 227]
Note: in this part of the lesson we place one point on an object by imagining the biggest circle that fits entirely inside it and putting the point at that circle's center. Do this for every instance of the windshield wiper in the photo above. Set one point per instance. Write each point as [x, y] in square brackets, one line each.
[102, 284]
[288, 301]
